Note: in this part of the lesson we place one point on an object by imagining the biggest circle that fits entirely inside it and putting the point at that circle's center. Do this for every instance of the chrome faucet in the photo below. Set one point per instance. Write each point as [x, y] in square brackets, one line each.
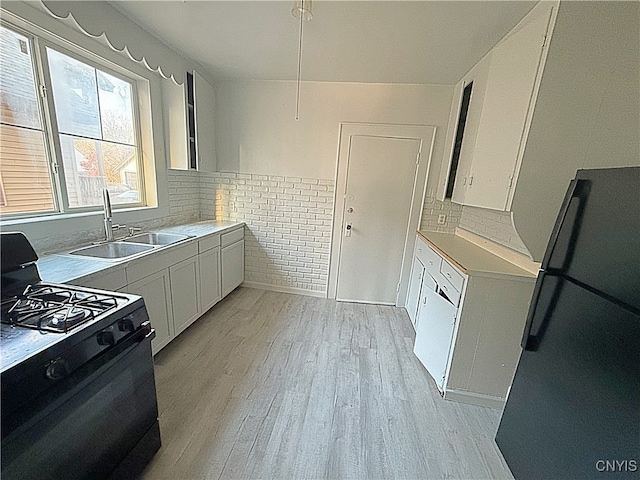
[109, 226]
[108, 216]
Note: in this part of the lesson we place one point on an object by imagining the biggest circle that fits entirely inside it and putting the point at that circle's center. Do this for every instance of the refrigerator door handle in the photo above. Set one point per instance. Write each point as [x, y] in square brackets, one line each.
[532, 309]
[577, 189]
[546, 294]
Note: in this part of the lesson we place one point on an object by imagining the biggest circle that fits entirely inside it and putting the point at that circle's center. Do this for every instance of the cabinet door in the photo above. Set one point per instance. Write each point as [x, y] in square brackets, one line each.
[184, 293]
[434, 334]
[413, 295]
[232, 259]
[507, 101]
[209, 264]
[156, 293]
[478, 76]
[205, 123]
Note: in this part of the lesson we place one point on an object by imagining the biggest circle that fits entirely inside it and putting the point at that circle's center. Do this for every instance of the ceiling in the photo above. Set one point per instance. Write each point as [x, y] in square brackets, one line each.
[433, 42]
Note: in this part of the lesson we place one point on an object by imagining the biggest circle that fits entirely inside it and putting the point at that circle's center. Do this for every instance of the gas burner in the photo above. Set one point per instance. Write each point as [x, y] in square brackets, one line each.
[55, 308]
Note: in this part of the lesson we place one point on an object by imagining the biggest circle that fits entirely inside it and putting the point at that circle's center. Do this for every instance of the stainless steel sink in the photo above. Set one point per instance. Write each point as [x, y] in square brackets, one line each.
[112, 250]
[156, 238]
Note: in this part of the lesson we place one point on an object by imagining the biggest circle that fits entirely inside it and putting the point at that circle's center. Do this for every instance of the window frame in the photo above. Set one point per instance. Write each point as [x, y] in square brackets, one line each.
[39, 40]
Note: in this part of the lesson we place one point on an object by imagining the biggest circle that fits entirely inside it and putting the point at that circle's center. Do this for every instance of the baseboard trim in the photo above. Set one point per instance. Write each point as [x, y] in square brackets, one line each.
[474, 398]
[285, 289]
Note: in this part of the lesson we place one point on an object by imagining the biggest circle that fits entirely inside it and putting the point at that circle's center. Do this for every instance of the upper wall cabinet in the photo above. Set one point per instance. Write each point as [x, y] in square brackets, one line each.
[190, 124]
[491, 115]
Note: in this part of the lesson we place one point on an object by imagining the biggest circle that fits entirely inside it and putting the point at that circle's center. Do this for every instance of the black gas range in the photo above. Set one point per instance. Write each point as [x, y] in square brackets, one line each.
[78, 388]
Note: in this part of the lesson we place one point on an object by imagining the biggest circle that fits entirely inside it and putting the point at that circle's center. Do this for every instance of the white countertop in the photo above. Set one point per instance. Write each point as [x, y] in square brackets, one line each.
[470, 258]
[62, 267]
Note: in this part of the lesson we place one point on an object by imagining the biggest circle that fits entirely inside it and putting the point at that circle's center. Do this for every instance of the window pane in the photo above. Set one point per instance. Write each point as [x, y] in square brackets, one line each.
[115, 109]
[75, 95]
[18, 95]
[91, 165]
[24, 169]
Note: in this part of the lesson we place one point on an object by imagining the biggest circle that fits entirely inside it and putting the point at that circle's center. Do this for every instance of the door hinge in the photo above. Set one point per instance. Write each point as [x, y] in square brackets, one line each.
[43, 91]
[544, 40]
[398, 288]
[510, 181]
[418, 158]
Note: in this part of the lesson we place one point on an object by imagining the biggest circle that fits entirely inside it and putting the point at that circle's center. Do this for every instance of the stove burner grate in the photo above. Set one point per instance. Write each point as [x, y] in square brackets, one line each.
[54, 309]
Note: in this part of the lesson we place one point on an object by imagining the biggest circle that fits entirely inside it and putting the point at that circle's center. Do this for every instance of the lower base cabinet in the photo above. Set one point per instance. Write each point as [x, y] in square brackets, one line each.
[209, 277]
[155, 290]
[434, 331]
[232, 261]
[185, 297]
[180, 285]
[468, 326]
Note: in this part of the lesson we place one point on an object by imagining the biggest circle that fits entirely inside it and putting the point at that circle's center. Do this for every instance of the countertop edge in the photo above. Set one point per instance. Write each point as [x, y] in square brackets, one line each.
[101, 267]
[516, 273]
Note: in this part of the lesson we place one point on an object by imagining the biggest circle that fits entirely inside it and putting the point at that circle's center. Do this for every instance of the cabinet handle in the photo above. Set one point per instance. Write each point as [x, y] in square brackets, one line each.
[470, 180]
[430, 262]
[444, 287]
[447, 274]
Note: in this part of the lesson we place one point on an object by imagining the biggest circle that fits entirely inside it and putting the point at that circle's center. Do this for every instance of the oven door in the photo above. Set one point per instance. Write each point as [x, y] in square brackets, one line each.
[96, 420]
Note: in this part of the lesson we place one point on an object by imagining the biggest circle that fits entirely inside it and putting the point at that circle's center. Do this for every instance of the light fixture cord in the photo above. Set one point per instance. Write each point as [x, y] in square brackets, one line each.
[299, 60]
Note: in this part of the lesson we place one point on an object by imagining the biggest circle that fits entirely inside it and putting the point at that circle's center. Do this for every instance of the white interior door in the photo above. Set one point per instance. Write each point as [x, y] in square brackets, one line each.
[380, 190]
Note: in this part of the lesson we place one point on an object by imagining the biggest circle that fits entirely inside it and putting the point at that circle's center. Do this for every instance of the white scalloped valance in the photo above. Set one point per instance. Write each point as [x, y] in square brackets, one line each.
[102, 21]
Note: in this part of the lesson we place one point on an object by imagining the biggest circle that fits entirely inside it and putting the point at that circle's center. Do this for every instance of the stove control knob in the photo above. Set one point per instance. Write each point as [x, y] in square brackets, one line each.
[125, 325]
[57, 369]
[106, 338]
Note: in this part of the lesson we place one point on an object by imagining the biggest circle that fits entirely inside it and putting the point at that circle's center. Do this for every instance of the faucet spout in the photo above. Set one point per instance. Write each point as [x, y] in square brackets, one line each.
[108, 223]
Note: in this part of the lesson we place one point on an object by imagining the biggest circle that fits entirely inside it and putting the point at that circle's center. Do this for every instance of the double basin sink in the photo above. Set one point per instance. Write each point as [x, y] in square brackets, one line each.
[130, 246]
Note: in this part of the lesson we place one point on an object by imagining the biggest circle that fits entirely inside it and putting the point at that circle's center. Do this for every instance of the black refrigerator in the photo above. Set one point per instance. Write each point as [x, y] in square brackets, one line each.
[573, 410]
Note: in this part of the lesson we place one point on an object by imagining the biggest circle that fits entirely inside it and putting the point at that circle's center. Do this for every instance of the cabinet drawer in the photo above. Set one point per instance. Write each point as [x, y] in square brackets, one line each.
[430, 259]
[451, 274]
[449, 290]
[208, 243]
[232, 237]
[112, 280]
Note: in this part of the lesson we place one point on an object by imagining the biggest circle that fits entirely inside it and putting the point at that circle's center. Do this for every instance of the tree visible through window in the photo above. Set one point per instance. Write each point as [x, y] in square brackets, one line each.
[92, 112]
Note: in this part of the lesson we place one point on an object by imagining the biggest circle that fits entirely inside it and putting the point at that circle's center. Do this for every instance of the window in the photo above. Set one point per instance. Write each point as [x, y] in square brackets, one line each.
[61, 146]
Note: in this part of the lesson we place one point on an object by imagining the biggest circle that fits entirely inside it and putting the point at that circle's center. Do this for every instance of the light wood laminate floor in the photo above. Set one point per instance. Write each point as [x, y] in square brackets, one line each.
[279, 386]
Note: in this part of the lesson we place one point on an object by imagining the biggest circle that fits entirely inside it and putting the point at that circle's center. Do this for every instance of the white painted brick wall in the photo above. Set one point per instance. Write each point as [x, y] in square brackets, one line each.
[288, 236]
[494, 225]
[432, 208]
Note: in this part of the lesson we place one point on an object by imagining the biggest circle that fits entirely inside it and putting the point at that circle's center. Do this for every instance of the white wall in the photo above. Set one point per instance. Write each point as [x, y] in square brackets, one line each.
[257, 131]
[587, 113]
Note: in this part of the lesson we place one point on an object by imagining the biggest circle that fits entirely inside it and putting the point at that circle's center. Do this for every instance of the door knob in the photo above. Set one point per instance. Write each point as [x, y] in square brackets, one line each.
[349, 210]
[347, 231]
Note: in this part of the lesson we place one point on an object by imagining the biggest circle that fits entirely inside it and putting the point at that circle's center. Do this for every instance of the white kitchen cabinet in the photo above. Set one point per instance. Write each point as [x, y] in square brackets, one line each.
[155, 290]
[434, 331]
[477, 76]
[469, 319]
[112, 280]
[210, 288]
[185, 301]
[415, 286]
[505, 84]
[190, 123]
[232, 260]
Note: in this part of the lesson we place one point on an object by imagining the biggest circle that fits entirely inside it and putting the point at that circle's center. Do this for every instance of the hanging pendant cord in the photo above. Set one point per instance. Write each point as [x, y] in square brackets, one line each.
[299, 61]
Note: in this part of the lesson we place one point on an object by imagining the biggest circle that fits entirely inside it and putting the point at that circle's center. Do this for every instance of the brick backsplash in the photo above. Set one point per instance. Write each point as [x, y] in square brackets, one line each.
[494, 225]
[433, 208]
[288, 236]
